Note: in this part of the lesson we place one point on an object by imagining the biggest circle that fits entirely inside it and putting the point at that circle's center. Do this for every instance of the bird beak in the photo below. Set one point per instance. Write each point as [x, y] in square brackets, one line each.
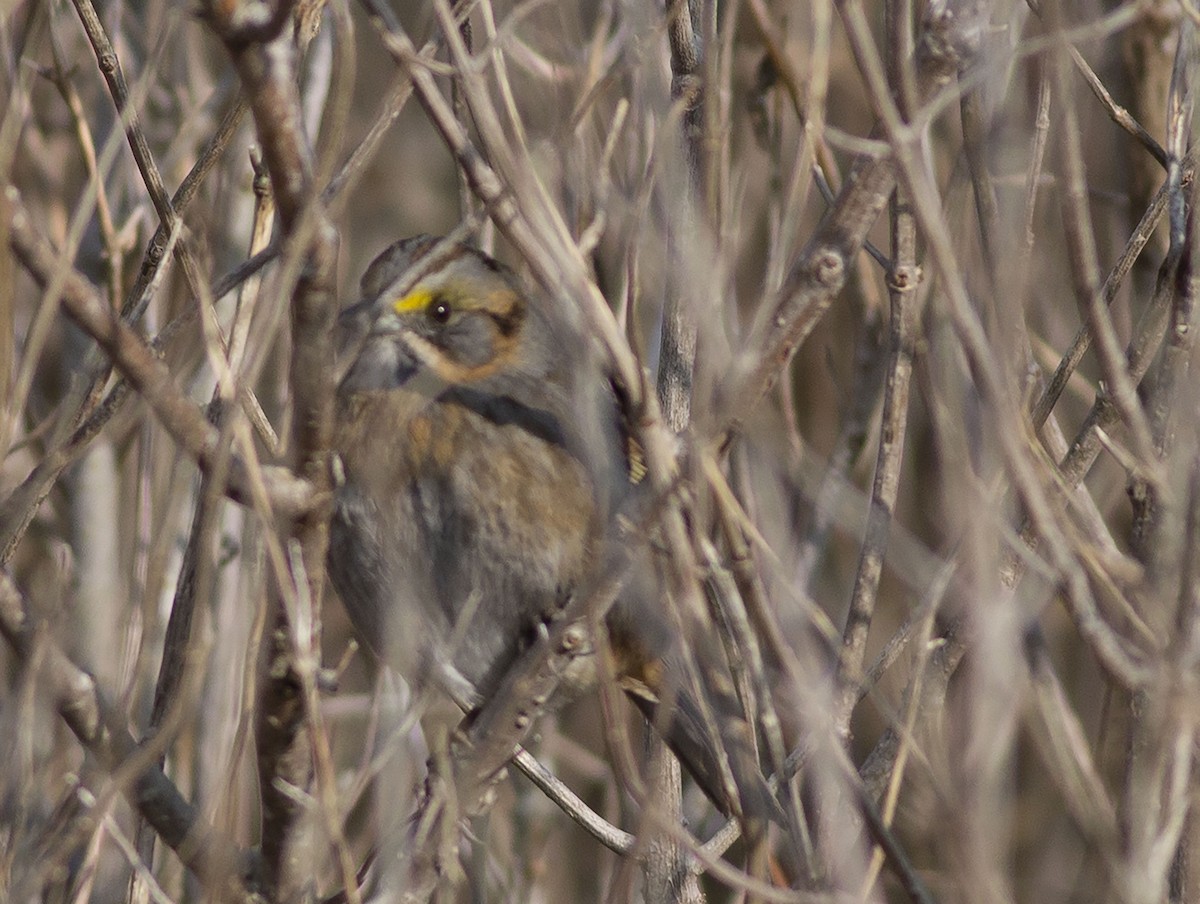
[369, 317]
[357, 324]
[355, 320]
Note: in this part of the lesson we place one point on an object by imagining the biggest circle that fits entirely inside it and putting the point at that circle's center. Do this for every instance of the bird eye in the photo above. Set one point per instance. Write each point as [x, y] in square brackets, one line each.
[440, 311]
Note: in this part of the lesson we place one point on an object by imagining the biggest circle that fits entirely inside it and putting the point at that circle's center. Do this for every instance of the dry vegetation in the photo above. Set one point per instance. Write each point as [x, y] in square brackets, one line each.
[902, 294]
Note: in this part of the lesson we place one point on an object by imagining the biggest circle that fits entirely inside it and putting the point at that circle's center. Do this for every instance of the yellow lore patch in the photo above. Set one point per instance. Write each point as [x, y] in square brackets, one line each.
[416, 300]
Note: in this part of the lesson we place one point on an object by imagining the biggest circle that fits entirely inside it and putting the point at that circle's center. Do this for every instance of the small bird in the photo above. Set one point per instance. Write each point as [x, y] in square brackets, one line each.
[482, 463]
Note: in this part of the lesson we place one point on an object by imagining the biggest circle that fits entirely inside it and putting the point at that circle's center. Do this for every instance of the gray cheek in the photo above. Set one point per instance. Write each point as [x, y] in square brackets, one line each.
[382, 364]
[471, 341]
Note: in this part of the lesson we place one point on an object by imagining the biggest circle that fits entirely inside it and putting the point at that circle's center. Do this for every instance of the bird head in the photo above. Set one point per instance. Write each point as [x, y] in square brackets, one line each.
[446, 322]
[439, 305]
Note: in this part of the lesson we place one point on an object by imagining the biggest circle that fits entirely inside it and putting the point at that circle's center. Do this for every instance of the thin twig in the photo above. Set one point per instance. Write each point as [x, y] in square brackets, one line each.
[82, 706]
[904, 278]
[145, 372]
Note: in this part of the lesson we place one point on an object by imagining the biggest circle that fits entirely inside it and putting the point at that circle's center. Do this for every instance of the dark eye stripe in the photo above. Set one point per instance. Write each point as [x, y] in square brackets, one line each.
[508, 322]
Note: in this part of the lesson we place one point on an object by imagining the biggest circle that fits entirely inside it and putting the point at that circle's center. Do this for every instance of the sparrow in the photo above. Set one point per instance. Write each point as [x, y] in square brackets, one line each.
[483, 463]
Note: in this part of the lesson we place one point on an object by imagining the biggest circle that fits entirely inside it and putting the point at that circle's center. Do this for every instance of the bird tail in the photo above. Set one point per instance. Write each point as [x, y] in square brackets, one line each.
[725, 765]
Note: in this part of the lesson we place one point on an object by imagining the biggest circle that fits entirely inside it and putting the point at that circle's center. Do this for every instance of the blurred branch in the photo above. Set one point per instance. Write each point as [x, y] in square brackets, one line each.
[1158, 513]
[146, 373]
[94, 414]
[903, 280]
[665, 865]
[110, 67]
[114, 75]
[192, 587]
[794, 82]
[265, 53]
[87, 149]
[1037, 160]
[1085, 270]
[1112, 284]
[1128, 664]
[569, 802]
[1160, 766]
[159, 246]
[1063, 744]
[819, 273]
[196, 569]
[1139, 354]
[227, 872]
[1116, 112]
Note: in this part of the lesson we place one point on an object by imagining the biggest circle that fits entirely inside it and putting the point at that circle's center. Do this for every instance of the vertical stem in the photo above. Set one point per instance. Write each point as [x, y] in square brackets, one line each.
[267, 64]
[902, 284]
[666, 866]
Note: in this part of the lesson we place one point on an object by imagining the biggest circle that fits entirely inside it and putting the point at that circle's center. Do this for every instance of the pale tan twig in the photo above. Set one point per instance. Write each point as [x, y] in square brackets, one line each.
[81, 705]
[1085, 273]
[145, 372]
